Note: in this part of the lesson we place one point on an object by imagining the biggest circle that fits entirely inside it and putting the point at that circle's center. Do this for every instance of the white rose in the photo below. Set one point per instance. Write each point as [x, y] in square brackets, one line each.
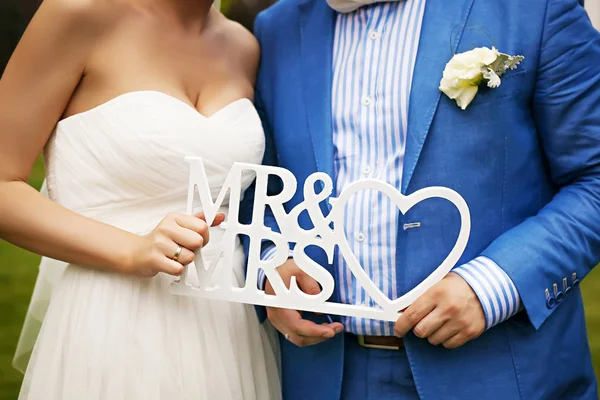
[464, 72]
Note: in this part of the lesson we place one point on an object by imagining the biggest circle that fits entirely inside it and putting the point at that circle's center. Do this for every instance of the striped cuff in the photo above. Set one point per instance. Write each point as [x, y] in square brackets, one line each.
[494, 288]
[267, 254]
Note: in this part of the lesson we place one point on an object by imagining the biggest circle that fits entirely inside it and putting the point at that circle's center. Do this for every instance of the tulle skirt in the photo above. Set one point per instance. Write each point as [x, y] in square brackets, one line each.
[108, 336]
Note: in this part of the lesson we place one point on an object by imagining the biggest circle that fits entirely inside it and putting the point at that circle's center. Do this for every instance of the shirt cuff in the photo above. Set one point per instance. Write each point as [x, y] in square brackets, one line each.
[267, 254]
[497, 293]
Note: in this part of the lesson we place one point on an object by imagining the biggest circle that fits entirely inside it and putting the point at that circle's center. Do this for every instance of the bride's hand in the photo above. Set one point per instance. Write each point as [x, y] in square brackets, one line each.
[171, 245]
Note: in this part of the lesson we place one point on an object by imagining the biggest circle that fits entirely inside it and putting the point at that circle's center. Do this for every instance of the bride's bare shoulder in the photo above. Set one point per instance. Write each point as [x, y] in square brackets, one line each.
[82, 16]
[242, 45]
[241, 38]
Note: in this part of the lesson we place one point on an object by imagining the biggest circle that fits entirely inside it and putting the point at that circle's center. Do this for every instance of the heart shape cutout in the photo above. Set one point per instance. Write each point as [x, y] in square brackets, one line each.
[404, 203]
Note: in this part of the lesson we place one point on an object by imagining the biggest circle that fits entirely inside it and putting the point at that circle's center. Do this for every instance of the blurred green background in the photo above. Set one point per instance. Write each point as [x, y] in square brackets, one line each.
[18, 268]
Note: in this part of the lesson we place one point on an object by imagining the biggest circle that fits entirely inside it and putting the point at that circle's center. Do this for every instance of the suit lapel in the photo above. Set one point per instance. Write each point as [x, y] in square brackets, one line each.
[317, 23]
[443, 22]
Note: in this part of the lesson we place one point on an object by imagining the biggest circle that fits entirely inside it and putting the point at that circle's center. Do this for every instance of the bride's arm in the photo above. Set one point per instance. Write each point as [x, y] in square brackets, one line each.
[34, 92]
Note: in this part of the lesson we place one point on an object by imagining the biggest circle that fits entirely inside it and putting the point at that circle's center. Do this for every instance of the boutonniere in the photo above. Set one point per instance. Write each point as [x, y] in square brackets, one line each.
[466, 71]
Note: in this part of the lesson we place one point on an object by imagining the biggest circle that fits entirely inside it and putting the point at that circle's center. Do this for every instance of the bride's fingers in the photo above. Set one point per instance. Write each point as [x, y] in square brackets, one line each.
[194, 224]
[170, 249]
[219, 218]
[169, 266]
[185, 257]
[184, 237]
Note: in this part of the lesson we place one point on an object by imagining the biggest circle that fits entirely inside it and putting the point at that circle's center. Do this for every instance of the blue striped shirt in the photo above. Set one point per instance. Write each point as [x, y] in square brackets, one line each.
[374, 55]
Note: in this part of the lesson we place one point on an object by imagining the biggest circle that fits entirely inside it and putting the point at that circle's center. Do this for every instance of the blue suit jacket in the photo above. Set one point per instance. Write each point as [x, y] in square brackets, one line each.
[525, 156]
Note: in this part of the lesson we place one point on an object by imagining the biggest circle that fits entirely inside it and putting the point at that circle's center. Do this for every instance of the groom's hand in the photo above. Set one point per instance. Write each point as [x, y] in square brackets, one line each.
[449, 314]
[299, 331]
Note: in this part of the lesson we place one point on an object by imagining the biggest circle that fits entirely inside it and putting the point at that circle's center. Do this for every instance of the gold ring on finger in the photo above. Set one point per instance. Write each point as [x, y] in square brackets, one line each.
[177, 253]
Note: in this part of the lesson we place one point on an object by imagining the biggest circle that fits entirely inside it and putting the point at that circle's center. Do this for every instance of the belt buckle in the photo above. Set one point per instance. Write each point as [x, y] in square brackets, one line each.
[361, 342]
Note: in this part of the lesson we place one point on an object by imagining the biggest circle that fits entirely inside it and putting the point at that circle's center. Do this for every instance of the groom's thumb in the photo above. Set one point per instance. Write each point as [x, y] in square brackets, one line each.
[307, 284]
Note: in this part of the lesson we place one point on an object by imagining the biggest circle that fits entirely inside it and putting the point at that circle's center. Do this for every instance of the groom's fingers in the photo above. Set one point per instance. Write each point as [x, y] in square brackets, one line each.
[307, 284]
[430, 323]
[302, 332]
[414, 314]
[308, 328]
[290, 322]
[447, 331]
[301, 340]
[456, 341]
[449, 313]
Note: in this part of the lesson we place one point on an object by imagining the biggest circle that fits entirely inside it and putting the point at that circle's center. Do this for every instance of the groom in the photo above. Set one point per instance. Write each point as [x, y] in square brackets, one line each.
[351, 88]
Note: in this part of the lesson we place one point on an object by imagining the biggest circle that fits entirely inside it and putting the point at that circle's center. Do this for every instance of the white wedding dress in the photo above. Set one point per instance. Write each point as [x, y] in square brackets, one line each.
[108, 336]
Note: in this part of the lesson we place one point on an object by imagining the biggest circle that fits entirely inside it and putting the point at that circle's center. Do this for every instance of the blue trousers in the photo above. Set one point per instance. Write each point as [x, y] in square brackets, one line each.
[373, 374]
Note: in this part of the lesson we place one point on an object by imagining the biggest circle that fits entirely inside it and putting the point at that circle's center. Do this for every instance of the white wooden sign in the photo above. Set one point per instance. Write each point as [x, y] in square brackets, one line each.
[214, 279]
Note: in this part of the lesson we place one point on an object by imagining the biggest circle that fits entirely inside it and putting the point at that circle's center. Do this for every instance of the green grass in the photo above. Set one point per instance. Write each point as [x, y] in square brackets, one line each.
[18, 269]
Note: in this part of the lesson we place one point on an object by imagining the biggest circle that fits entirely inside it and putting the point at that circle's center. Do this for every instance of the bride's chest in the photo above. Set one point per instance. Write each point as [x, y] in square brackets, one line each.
[205, 70]
[135, 146]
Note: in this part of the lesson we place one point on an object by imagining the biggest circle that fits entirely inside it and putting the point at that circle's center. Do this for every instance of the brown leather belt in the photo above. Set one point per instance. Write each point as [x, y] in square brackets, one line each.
[381, 342]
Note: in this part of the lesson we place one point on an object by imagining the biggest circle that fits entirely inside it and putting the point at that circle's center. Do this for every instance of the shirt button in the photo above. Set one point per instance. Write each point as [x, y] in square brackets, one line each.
[367, 101]
[374, 35]
[361, 237]
[367, 170]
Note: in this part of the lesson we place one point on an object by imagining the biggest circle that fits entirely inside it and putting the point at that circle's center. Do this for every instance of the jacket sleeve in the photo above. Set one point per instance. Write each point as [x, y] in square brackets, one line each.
[553, 250]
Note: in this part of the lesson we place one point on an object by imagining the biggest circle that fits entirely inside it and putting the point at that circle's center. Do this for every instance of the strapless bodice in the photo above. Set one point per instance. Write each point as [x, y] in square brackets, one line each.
[123, 162]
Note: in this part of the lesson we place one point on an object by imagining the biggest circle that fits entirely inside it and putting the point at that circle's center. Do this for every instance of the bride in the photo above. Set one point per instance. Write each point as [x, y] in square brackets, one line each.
[116, 93]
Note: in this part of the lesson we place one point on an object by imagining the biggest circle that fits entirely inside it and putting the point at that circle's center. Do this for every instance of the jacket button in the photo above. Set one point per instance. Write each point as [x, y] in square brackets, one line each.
[550, 302]
[566, 287]
[560, 296]
[557, 295]
[575, 280]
